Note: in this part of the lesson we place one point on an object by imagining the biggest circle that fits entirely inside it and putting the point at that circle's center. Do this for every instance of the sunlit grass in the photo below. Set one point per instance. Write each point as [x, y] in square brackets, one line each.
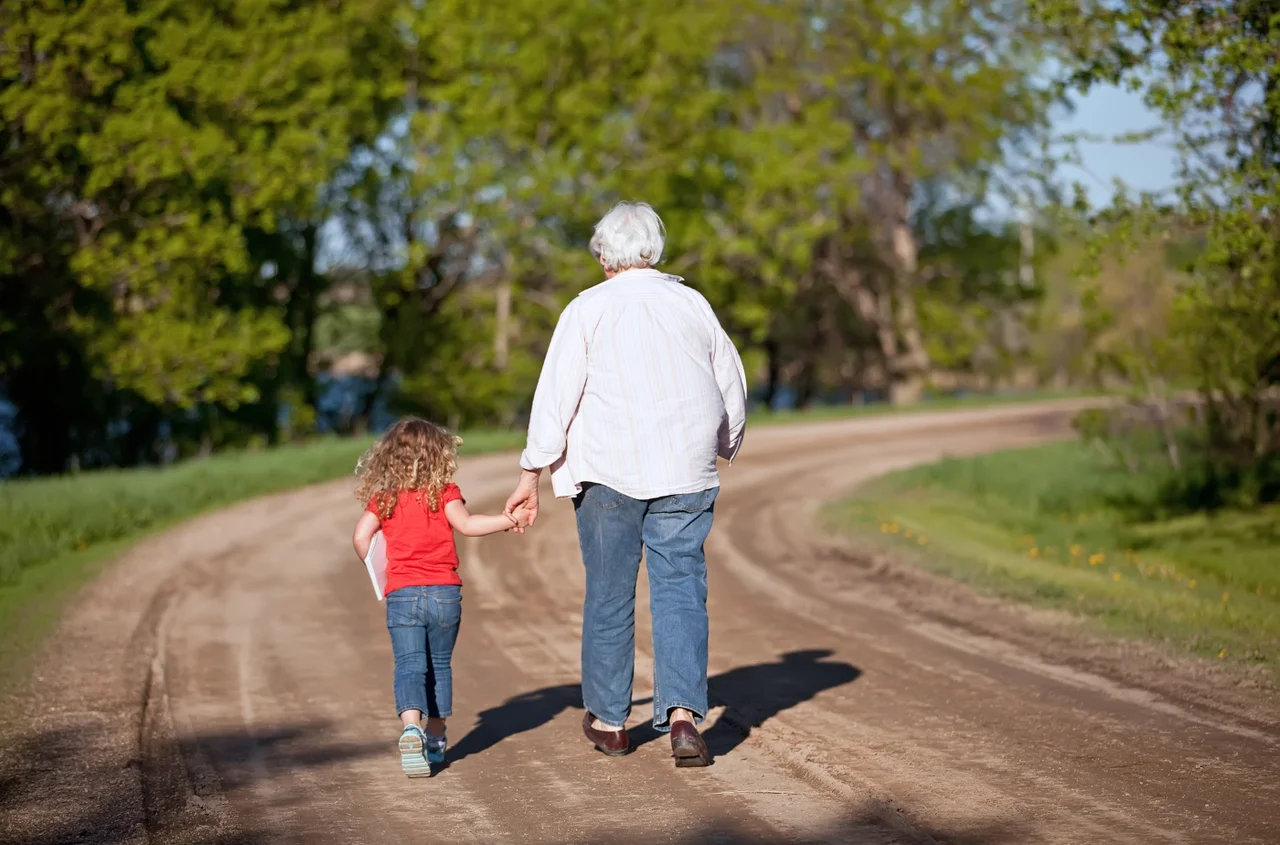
[1044, 525]
[934, 403]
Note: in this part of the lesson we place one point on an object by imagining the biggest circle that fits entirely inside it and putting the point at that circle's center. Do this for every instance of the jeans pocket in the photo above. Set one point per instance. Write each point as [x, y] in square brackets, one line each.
[602, 498]
[448, 611]
[686, 502]
[402, 612]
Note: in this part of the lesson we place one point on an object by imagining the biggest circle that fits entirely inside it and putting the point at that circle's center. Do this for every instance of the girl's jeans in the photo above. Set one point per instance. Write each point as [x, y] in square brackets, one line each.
[423, 622]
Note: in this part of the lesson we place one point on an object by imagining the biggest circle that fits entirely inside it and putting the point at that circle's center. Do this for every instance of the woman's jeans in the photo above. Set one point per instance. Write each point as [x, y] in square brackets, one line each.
[612, 531]
[423, 622]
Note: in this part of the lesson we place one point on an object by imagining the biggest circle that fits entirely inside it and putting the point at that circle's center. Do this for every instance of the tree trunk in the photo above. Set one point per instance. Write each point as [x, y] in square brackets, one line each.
[310, 285]
[774, 367]
[502, 326]
[806, 384]
[910, 366]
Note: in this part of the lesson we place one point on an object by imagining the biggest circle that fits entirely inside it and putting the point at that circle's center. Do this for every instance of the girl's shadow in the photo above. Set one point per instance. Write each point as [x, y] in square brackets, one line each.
[515, 716]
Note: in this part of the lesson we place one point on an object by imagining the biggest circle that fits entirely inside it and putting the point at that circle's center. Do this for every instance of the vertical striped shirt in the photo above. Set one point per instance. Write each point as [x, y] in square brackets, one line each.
[641, 390]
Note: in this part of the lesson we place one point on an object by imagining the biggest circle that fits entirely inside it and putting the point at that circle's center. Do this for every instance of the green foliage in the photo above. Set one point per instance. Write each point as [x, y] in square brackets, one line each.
[161, 188]
[1213, 73]
[205, 204]
[1056, 525]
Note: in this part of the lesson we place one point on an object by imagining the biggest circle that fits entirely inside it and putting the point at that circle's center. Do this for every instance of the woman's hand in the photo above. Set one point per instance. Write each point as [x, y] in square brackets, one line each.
[525, 497]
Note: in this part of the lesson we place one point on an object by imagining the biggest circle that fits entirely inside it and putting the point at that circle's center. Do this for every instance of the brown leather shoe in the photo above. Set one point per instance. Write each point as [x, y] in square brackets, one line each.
[613, 743]
[687, 746]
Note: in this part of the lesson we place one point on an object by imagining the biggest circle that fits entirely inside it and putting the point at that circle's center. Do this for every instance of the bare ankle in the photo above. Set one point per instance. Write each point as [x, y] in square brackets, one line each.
[597, 725]
[679, 714]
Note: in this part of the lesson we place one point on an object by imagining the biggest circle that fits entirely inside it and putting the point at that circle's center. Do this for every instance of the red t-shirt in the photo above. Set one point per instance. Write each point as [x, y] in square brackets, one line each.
[420, 547]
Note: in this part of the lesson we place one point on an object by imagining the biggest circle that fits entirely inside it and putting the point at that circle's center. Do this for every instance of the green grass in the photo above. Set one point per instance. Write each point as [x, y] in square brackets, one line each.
[57, 533]
[1050, 525]
[937, 403]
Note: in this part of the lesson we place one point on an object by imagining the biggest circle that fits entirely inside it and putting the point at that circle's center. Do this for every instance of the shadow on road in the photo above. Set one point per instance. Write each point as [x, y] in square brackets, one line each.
[868, 824]
[753, 694]
[71, 784]
[64, 785]
[515, 716]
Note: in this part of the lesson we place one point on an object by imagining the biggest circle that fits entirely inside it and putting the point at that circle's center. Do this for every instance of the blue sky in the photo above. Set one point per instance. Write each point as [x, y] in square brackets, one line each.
[1109, 111]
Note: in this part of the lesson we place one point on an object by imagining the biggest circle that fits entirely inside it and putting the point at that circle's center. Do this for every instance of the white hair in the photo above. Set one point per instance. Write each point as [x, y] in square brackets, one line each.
[630, 235]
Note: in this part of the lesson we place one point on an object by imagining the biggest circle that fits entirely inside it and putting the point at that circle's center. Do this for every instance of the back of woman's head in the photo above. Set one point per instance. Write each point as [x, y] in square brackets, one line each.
[631, 235]
[413, 456]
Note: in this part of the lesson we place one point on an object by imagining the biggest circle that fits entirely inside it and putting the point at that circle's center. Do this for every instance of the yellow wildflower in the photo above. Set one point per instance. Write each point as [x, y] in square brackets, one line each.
[1222, 654]
[923, 540]
[1115, 576]
[1075, 550]
[1191, 585]
[1226, 597]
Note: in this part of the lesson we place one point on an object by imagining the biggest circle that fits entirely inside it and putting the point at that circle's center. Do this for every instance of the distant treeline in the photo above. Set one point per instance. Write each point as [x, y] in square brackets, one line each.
[209, 211]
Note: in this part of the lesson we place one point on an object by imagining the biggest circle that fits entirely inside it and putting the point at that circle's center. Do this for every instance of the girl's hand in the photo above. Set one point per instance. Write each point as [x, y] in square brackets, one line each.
[523, 517]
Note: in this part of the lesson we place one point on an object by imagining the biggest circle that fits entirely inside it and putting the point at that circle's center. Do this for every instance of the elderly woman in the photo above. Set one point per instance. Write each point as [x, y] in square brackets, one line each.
[640, 391]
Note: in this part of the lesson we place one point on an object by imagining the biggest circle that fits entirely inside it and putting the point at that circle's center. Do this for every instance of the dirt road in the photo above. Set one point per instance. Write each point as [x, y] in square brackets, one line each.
[230, 682]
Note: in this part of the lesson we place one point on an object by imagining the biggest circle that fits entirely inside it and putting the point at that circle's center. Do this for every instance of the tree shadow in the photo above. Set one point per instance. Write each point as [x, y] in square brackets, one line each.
[56, 790]
[753, 694]
[870, 823]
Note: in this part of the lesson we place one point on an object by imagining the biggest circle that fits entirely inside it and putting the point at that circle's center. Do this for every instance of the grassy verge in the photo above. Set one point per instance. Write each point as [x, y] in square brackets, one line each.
[56, 533]
[937, 403]
[1046, 525]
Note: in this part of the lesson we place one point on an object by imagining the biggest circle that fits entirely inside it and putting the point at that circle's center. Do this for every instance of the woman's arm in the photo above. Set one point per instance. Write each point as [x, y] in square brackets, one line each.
[475, 524]
[559, 391]
[365, 529]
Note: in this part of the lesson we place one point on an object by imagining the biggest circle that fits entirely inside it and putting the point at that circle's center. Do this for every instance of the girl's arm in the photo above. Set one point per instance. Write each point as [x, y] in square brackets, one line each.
[475, 524]
[365, 529]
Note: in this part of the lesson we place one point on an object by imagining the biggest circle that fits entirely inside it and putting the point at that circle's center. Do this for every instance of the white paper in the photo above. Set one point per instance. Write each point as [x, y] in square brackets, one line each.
[376, 562]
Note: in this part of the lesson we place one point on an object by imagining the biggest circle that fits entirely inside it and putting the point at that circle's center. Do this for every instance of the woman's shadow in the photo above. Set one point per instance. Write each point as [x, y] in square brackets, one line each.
[753, 694]
[750, 694]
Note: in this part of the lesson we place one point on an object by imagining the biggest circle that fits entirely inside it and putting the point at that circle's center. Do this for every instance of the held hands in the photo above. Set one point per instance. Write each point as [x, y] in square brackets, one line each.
[522, 517]
[524, 498]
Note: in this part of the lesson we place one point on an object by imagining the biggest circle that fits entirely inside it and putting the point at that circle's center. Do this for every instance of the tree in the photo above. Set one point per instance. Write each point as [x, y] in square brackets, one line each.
[161, 197]
[1213, 73]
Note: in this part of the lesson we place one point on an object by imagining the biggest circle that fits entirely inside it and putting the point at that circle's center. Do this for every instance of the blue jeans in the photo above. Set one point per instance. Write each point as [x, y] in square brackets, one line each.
[612, 531]
[423, 622]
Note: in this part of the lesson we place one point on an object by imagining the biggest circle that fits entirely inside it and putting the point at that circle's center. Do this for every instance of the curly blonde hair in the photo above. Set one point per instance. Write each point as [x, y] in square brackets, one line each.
[414, 455]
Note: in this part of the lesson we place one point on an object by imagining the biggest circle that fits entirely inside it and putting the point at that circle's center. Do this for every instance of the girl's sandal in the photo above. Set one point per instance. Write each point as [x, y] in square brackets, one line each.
[412, 759]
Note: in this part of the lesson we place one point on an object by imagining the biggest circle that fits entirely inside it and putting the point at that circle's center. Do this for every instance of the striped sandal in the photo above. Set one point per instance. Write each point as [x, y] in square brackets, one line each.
[412, 759]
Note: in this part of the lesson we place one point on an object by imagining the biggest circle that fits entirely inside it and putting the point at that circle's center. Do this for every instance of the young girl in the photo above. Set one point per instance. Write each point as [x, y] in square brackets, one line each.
[406, 485]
